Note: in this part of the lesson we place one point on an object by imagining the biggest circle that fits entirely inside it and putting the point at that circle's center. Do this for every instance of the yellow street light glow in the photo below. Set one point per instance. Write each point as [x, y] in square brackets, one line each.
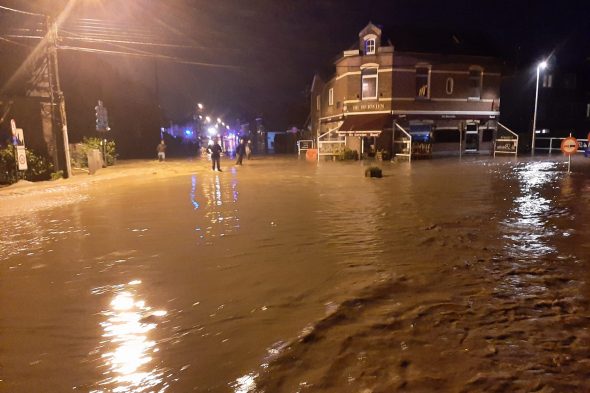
[200, 105]
[218, 120]
[207, 119]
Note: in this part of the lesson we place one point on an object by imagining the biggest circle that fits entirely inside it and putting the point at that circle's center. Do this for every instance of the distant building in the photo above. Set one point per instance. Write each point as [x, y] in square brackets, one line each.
[378, 90]
[564, 101]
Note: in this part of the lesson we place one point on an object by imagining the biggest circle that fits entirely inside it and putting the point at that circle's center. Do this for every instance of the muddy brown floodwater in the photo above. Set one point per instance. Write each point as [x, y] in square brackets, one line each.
[286, 276]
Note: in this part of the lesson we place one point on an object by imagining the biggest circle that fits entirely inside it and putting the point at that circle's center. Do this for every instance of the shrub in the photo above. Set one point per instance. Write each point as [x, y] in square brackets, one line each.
[78, 153]
[347, 154]
[38, 166]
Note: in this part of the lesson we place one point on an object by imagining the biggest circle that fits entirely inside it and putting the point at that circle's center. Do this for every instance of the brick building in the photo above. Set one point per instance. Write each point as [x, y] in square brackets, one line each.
[379, 94]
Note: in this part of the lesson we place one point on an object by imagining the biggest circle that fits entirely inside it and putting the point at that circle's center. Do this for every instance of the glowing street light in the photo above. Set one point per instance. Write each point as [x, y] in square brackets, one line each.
[200, 106]
[219, 120]
[541, 66]
[208, 119]
[212, 131]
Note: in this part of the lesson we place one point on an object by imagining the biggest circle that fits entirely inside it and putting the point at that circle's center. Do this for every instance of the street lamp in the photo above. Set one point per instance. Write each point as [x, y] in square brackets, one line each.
[200, 105]
[541, 66]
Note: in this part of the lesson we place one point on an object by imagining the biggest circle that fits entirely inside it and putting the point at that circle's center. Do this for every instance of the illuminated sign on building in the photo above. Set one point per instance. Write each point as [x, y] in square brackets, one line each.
[367, 107]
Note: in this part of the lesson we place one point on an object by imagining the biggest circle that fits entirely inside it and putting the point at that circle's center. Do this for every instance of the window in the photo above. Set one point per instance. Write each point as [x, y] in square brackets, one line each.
[369, 84]
[317, 102]
[587, 111]
[450, 85]
[423, 82]
[548, 80]
[475, 81]
[569, 81]
[331, 96]
[370, 46]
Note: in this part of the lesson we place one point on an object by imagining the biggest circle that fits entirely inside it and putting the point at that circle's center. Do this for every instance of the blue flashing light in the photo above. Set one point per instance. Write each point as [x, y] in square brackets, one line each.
[188, 132]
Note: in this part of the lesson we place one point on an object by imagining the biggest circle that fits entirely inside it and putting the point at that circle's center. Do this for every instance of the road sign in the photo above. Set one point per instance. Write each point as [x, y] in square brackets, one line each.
[569, 145]
[21, 158]
[18, 135]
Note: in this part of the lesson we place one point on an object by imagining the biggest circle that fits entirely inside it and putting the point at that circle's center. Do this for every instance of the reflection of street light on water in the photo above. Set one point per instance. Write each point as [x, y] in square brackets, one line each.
[541, 66]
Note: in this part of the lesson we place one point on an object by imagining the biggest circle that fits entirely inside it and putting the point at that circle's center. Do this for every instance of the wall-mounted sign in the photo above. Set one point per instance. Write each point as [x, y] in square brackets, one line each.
[367, 107]
[506, 145]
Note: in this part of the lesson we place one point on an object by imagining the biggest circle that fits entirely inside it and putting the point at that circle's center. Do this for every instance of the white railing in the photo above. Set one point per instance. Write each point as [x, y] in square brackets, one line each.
[507, 145]
[407, 142]
[582, 144]
[329, 147]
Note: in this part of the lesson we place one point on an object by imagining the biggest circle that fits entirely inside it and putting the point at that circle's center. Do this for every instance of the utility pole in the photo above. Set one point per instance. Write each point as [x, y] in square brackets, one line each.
[58, 104]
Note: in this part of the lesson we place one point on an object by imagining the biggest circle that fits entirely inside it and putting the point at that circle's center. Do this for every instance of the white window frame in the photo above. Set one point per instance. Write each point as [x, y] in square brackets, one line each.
[450, 85]
[331, 96]
[428, 85]
[370, 46]
[370, 76]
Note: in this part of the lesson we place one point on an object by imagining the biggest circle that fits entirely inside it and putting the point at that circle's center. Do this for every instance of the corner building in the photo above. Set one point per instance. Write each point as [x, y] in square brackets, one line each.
[379, 95]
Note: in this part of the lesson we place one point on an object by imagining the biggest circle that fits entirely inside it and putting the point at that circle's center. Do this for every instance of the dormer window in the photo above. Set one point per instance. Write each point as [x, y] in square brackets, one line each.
[370, 46]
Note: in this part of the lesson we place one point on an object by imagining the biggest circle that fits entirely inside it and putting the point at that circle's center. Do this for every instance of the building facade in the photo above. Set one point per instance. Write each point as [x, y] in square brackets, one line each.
[378, 95]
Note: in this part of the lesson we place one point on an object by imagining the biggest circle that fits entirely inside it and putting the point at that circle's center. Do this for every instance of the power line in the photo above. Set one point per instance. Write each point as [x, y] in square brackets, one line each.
[115, 41]
[21, 11]
[149, 55]
[33, 37]
[14, 42]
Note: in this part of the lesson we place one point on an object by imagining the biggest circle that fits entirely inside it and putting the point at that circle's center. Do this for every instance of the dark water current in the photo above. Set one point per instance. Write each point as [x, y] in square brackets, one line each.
[284, 276]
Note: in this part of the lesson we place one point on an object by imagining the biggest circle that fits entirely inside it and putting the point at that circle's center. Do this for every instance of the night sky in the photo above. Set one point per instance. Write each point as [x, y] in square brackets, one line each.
[258, 57]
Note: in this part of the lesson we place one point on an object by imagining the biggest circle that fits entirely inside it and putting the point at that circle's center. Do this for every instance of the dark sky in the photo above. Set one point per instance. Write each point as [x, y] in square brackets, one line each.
[260, 55]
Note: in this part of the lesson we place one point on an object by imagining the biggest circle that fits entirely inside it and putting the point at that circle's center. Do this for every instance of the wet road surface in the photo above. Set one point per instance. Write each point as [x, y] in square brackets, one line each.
[285, 276]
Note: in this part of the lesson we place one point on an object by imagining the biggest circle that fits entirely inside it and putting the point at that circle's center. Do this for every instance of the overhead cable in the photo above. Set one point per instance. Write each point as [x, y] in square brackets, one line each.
[149, 55]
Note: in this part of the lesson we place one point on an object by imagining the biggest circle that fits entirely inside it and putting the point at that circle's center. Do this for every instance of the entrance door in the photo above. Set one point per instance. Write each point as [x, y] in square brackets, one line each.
[472, 139]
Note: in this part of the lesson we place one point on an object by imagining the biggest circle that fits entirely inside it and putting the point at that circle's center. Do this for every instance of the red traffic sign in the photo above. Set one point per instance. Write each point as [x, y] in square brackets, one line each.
[569, 145]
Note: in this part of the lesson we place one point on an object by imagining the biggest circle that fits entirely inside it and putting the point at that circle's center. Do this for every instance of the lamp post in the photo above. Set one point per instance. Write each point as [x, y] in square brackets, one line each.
[541, 66]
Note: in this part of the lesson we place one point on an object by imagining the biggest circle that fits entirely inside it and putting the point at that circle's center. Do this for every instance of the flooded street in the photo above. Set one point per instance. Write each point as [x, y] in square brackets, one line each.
[286, 276]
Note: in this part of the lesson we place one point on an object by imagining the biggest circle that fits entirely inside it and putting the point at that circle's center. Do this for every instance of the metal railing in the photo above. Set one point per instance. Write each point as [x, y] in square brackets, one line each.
[304, 145]
[507, 145]
[582, 144]
[407, 142]
[329, 147]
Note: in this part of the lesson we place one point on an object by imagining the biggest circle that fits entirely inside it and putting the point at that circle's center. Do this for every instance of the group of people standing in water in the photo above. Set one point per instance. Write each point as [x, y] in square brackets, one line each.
[215, 149]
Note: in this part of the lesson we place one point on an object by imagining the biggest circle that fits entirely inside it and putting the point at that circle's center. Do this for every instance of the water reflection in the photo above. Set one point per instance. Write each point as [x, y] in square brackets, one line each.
[194, 192]
[527, 226]
[218, 198]
[127, 349]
